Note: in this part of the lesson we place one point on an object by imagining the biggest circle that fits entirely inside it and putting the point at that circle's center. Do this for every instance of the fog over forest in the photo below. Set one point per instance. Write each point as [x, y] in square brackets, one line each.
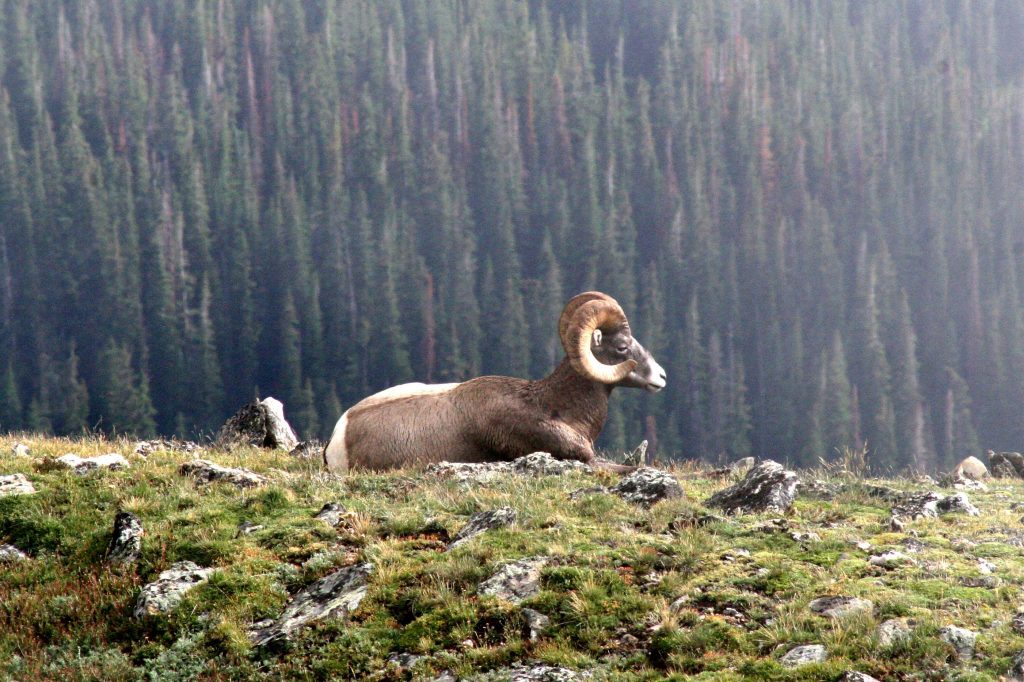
[811, 211]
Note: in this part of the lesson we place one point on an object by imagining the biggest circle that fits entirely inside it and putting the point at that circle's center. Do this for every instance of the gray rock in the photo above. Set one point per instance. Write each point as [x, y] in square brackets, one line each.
[638, 457]
[532, 673]
[482, 522]
[804, 654]
[591, 490]
[515, 582]
[805, 536]
[308, 449]
[1006, 464]
[469, 472]
[405, 661]
[126, 542]
[818, 489]
[647, 487]
[961, 639]
[167, 590]
[766, 487]
[840, 606]
[15, 484]
[741, 466]
[986, 567]
[331, 513]
[894, 630]
[972, 468]
[536, 624]
[10, 553]
[84, 465]
[853, 676]
[1016, 672]
[335, 596]
[20, 450]
[1018, 623]
[261, 424]
[543, 464]
[957, 502]
[248, 527]
[206, 471]
[890, 559]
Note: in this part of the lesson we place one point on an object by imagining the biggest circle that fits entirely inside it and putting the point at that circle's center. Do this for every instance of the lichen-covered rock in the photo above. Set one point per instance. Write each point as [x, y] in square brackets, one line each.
[261, 424]
[961, 639]
[532, 673]
[803, 655]
[20, 450]
[543, 464]
[647, 487]
[308, 449]
[126, 542]
[1006, 464]
[536, 624]
[1016, 671]
[163, 594]
[84, 465]
[766, 487]
[957, 502]
[331, 513]
[840, 606]
[482, 522]
[853, 676]
[469, 472]
[10, 553]
[15, 484]
[335, 596]
[207, 472]
[516, 581]
[894, 630]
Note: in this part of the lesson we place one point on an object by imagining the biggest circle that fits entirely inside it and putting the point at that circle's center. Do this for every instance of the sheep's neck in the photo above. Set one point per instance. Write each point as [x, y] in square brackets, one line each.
[579, 402]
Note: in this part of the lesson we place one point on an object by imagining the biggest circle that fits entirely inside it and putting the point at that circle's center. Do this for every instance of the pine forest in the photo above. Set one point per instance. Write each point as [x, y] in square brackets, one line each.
[812, 212]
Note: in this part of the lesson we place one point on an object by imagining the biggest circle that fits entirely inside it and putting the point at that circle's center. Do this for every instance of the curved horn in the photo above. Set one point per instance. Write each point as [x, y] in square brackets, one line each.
[565, 320]
[589, 316]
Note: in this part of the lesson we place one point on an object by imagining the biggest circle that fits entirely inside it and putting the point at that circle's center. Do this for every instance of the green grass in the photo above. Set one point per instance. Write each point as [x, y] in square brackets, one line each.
[614, 571]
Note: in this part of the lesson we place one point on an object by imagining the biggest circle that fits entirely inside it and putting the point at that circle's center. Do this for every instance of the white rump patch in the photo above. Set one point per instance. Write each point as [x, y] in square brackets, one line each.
[336, 454]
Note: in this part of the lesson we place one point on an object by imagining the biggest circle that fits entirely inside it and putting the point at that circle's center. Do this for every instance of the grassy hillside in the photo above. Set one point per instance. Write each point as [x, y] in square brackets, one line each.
[614, 573]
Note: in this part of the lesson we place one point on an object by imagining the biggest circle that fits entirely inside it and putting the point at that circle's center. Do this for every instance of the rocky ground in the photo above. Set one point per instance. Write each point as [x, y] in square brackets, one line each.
[171, 561]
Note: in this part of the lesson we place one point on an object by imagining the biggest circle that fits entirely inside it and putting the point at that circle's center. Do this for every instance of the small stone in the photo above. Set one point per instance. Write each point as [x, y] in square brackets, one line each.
[536, 623]
[15, 484]
[897, 525]
[647, 487]
[862, 545]
[331, 513]
[803, 655]
[248, 527]
[1016, 672]
[853, 676]
[840, 606]
[894, 630]
[741, 466]
[145, 448]
[988, 582]
[541, 673]
[516, 581]
[890, 559]
[170, 587]
[679, 604]
[20, 450]
[483, 521]
[818, 489]
[261, 424]
[961, 639]
[10, 553]
[126, 541]
[583, 492]
[308, 449]
[957, 502]
[470, 472]
[334, 596]
[84, 465]
[805, 536]
[766, 487]
[207, 472]
[986, 567]
[638, 457]
[405, 661]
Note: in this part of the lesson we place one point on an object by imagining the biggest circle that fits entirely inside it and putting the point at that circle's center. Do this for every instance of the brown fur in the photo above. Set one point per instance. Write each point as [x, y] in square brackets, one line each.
[482, 420]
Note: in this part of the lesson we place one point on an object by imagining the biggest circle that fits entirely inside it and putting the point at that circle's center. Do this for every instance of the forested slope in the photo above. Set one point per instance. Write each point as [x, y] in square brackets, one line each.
[811, 212]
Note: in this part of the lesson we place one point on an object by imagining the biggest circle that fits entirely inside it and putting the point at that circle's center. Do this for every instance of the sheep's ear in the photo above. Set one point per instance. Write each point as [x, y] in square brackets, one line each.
[597, 337]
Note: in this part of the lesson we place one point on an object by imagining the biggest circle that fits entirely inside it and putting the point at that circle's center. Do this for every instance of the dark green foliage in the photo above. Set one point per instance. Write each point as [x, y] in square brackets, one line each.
[324, 199]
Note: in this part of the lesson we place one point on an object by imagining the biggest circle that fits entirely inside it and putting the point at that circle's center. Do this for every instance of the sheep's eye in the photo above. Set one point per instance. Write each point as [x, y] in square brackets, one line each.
[622, 349]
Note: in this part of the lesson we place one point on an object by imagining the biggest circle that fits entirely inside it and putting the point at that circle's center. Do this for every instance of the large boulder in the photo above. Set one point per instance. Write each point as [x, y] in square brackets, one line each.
[261, 424]
[647, 487]
[335, 596]
[1006, 464]
[766, 487]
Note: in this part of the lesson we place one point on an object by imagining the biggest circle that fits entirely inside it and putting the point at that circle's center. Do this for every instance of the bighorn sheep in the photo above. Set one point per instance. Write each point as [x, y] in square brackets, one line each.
[495, 418]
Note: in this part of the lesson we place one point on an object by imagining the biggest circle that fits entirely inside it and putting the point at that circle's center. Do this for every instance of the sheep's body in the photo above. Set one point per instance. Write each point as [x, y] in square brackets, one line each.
[496, 418]
[486, 419]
